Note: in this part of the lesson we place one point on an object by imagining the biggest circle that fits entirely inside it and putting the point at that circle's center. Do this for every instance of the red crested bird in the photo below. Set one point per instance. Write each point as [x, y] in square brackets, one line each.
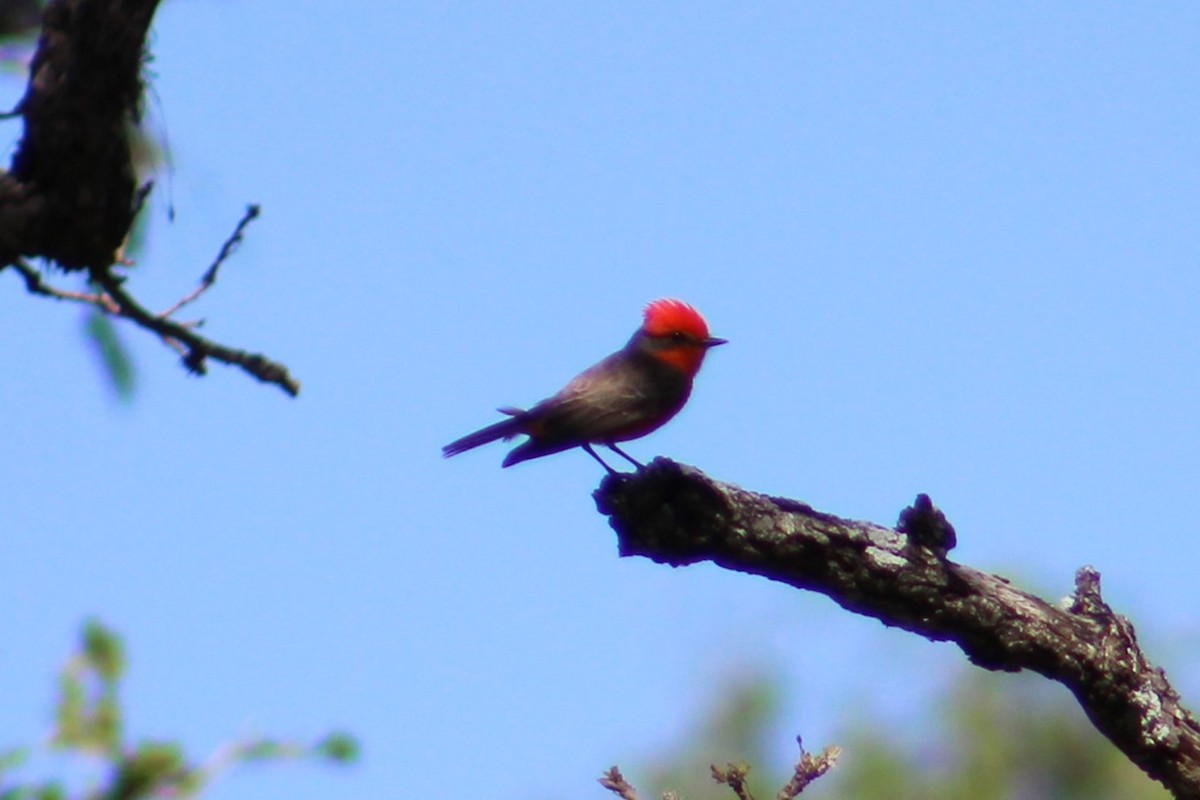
[627, 395]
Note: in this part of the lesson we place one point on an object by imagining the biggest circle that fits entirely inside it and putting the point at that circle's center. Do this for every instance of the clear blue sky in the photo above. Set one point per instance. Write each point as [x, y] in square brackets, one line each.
[955, 250]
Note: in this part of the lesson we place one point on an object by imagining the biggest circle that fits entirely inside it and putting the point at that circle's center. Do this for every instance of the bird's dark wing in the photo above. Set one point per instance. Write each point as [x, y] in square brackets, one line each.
[622, 397]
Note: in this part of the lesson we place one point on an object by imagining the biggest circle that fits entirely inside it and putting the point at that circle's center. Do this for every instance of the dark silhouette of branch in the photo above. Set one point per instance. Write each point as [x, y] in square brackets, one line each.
[198, 349]
[676, 515]
[71, 195]
[68, 197]
[35, 283]
[181, 336]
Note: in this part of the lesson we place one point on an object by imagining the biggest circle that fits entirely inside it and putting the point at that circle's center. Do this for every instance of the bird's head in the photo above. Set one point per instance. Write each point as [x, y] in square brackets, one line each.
[674, 333]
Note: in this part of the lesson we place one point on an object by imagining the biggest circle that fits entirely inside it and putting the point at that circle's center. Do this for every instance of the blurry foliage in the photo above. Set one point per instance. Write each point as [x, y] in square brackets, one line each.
[738, 730]
[88, 726]
[1001, 738]
[1007, 737]
[112, 354]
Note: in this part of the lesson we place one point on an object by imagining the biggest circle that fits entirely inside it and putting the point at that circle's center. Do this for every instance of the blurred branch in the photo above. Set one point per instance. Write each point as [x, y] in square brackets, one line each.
[70, 196]
[615, 782]
[676, 515]
[807, 770]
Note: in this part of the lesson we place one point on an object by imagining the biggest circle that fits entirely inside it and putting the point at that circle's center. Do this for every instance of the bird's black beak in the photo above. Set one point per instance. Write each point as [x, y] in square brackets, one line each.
[713, 341]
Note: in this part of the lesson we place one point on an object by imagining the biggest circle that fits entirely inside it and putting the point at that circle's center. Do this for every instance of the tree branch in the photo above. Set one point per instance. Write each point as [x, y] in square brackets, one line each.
[71, 196]
[199, 349]
[35, 283]
[676, 515]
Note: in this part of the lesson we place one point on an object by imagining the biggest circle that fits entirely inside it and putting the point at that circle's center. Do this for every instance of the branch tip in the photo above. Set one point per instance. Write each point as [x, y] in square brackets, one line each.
[615, 782]
[1086, 599]
[926, 526]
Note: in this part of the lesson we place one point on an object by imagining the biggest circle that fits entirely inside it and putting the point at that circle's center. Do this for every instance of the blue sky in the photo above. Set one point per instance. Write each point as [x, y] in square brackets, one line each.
[954, 248]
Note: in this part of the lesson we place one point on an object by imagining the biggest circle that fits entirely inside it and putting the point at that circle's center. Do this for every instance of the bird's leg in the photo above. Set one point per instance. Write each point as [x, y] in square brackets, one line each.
[622, 454]
[592, 453]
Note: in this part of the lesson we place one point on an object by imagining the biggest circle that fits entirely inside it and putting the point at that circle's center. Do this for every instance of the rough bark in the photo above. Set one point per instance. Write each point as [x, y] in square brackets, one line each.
[676, 515]
[70, 194]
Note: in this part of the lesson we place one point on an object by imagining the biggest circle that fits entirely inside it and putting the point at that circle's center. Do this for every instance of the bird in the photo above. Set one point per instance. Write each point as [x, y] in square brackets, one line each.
[627, 395]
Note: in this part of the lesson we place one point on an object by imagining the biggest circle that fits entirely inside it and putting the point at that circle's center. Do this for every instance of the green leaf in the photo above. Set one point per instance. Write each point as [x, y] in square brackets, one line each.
[11, 759]
[152, 766]
[341, 748]
[114, 358]
[51, 790]
[104, 651]
[106, 725]
[70, 718]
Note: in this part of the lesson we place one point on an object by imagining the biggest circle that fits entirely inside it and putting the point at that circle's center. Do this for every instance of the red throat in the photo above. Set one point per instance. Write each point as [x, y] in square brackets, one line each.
[685, 358]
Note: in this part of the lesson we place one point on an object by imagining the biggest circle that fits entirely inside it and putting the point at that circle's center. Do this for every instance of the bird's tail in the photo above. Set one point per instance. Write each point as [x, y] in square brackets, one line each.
[504, 429]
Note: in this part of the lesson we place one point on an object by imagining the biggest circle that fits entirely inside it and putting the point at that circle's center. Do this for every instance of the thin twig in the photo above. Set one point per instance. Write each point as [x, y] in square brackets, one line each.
[35, 283]
[210, 275]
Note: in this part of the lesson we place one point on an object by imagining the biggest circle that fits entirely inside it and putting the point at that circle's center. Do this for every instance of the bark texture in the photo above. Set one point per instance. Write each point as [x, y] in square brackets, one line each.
[676, 515]
[69, 196]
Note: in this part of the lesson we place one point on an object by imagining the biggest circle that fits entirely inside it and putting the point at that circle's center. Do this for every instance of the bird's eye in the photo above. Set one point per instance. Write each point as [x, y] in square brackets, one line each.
[678, 336]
